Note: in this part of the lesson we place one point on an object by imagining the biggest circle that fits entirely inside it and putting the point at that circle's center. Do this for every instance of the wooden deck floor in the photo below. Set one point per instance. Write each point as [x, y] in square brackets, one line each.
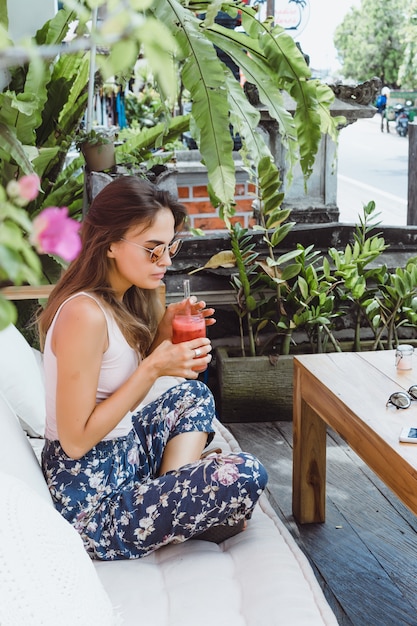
[365, 554]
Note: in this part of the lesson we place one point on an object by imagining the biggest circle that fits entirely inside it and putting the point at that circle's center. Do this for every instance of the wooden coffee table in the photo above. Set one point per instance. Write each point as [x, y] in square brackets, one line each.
[348, 391]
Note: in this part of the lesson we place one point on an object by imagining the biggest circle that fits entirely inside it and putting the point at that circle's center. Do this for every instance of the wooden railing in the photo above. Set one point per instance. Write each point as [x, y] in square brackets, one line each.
[37, 292]
[26, 292]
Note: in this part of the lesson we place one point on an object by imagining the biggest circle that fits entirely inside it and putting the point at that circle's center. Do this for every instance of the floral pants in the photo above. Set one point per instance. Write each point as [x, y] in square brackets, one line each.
[122, 509]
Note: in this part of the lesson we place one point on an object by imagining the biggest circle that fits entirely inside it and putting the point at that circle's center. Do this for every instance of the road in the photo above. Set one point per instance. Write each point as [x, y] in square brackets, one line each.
[372, 166]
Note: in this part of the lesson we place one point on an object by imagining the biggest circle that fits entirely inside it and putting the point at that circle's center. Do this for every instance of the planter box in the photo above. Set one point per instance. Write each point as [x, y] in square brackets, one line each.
[253, 389]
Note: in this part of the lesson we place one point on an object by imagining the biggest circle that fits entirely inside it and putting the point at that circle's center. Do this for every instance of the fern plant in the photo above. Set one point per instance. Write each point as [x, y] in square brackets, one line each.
[180, 48]
[270, 60]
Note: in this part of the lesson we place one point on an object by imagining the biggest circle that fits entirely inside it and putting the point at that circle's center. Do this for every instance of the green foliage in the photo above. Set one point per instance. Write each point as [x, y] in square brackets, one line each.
[301, 290]
[407, 72]
[370, 41]
[357, 282]
[270, 60]
[144, 108]
[394, 305]
[304, 290]
[245, 282]
[18, 261]
[94, 137]
[138, 144]
[46, 97]
[39, 110]
[304, 299]
[51, 96]
[206, 83]
[284, 292]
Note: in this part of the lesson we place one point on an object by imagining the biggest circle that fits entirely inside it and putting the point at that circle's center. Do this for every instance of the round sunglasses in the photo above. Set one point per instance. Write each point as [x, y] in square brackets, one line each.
[403, 399]
[156, 253]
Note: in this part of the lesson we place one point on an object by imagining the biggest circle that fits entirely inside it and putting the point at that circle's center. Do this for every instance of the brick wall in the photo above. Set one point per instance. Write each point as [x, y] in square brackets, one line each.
[202, 213]
[191, 183]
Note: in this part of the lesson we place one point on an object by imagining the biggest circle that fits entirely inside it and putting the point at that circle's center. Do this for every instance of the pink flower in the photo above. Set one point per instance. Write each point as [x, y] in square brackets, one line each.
[24, 190]
[56, 233]
[29, 187]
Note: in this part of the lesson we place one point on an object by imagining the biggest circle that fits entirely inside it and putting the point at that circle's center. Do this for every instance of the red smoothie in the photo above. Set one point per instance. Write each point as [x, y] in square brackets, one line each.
[187, 327]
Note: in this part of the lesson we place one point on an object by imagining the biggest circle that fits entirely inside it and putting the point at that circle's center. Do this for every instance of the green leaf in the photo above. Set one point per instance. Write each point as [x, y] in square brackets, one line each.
[10, 262]
[10, 212]
[245, 119]
[20, 112]
[160, 50]
[147, 138]
[75, 68]
[8, 313]
[141, 5]
[302, 284]
[122, 57]
[288, 256]
[54, 30]
[326, 268]
[11, 148]
[279, 235]
[262, 72]
[43, 160]
[291, 271]
[206, 83]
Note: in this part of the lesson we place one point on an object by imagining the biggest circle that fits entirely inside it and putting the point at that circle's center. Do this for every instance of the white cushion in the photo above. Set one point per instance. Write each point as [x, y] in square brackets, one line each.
[21, 382]
[46, 576]
[257, 578]
[16, 454]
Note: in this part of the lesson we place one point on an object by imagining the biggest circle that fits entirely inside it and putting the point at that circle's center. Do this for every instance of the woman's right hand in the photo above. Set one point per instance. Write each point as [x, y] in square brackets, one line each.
[183, 359]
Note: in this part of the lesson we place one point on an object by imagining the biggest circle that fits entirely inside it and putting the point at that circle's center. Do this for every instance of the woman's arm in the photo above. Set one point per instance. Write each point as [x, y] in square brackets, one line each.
[79, 341]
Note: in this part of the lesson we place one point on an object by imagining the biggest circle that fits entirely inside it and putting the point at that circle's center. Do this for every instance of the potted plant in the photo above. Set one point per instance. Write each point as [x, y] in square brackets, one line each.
[97, 148]
[304, 290]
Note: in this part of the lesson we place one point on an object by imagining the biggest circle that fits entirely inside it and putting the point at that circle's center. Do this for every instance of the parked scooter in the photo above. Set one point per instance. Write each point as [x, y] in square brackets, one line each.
[402, 117]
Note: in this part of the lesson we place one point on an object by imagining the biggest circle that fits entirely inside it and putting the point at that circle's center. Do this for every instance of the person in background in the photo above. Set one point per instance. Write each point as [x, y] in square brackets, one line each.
[127, 419]
[382, 106]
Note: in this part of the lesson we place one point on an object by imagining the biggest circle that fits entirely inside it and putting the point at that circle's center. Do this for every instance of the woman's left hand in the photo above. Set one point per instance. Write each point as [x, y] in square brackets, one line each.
[165, 325]
[194, 306]
[200, 307]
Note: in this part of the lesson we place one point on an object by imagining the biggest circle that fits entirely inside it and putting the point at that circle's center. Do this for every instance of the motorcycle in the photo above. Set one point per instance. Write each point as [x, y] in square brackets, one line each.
[402, 117]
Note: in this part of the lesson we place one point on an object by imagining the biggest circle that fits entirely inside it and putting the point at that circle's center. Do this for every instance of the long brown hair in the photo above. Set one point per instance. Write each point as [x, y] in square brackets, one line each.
[127, 201]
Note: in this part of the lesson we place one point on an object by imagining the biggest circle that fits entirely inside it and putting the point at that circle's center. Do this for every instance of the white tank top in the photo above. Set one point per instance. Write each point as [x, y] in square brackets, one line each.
[119, 362]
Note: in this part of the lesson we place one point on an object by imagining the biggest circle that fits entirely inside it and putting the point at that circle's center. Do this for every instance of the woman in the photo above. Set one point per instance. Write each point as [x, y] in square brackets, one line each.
[126, 468]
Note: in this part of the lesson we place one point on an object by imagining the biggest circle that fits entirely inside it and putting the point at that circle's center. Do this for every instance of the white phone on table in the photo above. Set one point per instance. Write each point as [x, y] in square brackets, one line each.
[409, 434]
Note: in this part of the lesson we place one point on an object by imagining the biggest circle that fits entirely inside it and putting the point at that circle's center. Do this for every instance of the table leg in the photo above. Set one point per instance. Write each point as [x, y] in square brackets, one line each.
[309, 461]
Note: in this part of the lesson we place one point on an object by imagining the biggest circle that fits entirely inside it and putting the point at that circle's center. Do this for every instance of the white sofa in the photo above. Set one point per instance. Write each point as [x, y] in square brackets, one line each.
[257, 578]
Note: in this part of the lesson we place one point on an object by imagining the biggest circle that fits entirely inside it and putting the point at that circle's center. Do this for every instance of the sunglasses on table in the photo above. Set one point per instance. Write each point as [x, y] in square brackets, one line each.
[403, 399]
[156, 253]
